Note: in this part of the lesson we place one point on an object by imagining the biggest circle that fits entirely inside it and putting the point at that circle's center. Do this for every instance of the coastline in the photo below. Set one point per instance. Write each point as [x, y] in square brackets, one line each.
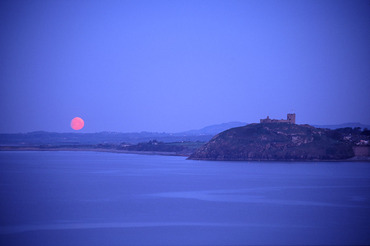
[33, 148]
[353, 159]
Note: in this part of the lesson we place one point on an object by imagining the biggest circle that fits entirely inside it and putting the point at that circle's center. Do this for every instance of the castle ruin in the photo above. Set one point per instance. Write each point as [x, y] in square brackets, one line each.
[289, 119]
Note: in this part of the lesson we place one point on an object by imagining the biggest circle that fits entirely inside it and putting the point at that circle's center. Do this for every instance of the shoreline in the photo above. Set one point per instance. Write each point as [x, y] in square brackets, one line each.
[353, 159]
[31, 148]
[34, 148]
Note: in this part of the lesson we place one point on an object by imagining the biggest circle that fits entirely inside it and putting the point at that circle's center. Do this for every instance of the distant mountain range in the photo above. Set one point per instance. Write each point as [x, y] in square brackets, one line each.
[201, 135]
[351, 124]
[213, 129]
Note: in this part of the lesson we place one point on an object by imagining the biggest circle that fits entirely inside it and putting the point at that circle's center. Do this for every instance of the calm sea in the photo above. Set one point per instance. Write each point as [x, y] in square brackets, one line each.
[90, 198]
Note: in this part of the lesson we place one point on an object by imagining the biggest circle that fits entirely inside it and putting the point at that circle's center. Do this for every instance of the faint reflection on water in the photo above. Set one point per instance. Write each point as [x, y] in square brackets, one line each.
[262, 196]
[77, 226]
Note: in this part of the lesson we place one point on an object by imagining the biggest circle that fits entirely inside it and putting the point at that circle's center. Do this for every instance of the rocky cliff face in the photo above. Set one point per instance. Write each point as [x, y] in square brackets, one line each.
[275, 141]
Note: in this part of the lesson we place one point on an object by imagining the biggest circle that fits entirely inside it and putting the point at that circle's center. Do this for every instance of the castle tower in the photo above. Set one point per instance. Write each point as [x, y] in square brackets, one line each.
[291, 118]
[267, 120]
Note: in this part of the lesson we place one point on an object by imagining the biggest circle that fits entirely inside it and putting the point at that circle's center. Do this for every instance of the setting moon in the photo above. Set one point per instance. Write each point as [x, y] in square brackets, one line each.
[77, 123]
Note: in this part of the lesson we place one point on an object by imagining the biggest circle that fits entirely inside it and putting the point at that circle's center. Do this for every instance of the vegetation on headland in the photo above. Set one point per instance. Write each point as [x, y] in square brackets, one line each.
[282, 141]
[180, 148]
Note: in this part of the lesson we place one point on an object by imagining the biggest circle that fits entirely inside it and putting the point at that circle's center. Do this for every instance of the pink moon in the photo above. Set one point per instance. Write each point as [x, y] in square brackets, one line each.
[77, 123]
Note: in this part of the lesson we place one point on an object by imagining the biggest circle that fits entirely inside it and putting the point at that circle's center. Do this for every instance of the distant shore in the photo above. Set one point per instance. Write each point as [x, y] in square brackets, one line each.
[35, 148]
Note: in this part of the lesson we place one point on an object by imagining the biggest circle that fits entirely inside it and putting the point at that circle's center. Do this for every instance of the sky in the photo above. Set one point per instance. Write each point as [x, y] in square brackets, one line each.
[170, 66]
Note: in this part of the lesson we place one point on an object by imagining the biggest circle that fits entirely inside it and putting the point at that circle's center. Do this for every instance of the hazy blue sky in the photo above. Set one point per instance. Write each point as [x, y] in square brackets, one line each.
[178, 65]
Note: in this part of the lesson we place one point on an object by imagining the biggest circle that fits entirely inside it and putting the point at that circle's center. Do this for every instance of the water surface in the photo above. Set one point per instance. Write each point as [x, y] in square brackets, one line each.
[91, 198]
